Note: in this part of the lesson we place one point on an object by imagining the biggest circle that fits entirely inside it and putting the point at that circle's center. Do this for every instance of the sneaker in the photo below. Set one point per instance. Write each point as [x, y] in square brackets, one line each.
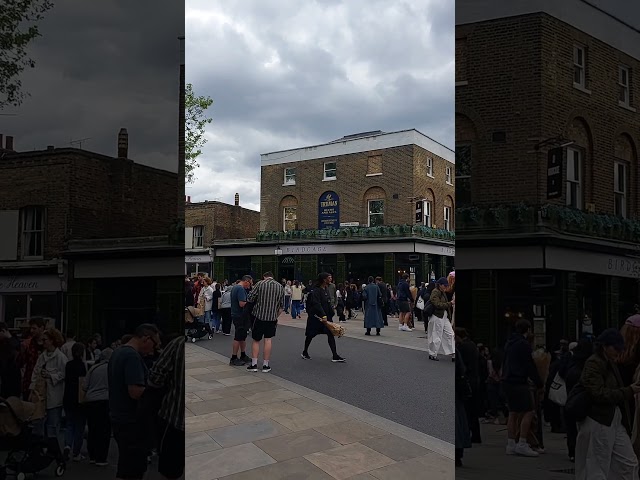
[266, 369]
[400, 327]
[434, 358]
[227, 334]
[525, 450]
[338, 359]
[78, 458]
[66, 453]
[252, 368]
[511, 449]
[101, 464]
[305, 355]
[245, 359]
[236, 362]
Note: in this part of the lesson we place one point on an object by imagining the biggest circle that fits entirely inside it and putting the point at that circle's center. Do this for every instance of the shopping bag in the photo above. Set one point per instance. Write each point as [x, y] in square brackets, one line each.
[558, 391]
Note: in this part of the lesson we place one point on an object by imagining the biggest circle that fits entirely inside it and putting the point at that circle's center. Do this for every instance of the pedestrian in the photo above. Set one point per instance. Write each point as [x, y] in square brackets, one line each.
[167, 375]
[470, 358]
[373, 307]
[287, 296]
[240, 321]
[128, 375]
[341, 294]
[319, 311]
[267, 298]
[215, 309]
[75, 370]
[580, 354]
[296, 299]
[440, 337]
[30, 351]
[404, 295]
[96, 388]
[224, 310]
[384, 295]
[603, 447]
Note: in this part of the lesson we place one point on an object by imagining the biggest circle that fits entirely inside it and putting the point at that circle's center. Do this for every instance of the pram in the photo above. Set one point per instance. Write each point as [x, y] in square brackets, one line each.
[27, 453]
[195, 330]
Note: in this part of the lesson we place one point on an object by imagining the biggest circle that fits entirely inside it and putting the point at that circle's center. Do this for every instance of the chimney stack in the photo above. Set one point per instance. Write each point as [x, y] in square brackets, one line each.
[9, 144]
[188, 199]
[123, 143]
[237, 199]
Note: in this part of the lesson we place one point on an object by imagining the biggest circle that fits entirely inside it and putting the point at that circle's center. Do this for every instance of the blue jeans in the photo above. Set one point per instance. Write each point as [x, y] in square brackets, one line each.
[74, 433]
[208, 318]
[287, 303]
[217, 320]
[295, 308]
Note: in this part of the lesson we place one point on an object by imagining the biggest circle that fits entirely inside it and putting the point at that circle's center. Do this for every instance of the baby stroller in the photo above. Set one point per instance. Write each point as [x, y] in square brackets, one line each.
[195, 330]
[28, 454]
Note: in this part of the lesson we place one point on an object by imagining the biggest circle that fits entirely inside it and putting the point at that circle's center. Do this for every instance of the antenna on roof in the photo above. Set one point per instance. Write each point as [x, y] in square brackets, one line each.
[78, 143]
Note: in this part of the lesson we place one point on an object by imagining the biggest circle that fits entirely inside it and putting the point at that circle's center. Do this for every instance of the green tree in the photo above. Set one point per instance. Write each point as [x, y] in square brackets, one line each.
[196, 120]
[18, 28]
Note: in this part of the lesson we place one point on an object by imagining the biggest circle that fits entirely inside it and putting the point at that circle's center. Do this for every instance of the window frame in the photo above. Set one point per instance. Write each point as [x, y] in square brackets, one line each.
[284, 218]
[430, 167]
[617, 193]
[448, 175]
[582, 84]
[578, 182]
[624, 87]
[335, 169]
[200, 229]
[287, 177]
[429, 204]
[447, 211]
[369, 211]
[25, 232]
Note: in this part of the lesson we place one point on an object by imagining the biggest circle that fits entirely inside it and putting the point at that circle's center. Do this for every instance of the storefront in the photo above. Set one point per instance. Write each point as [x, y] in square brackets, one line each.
[24, 296]
[195, 263]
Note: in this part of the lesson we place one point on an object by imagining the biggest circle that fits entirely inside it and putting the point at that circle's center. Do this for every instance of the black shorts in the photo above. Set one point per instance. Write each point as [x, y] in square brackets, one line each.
[241, 329]
[403, 306]
[519, 397]
[263, 329]
[132, 451]
[171, 451]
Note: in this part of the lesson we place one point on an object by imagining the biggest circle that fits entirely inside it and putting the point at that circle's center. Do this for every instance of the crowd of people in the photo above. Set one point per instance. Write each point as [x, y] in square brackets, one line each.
[132, 390]
[586, 390]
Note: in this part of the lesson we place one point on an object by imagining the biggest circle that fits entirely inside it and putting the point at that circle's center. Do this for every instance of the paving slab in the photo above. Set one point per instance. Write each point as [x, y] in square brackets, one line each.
[218, 405]
[259, 412]
[395, 447]
[295, 469]
[349, 460]
[428, 467]
[296, 444]
[247, 432]
[279, 395]
[202, 423]
[350, 432]
[197, 443]
[313, 418]
[225, 462]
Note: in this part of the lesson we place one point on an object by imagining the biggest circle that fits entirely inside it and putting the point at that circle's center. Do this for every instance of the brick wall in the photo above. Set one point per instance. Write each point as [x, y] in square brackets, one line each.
[88, 196]
[520, 81]
[222, 221]
[403, 174]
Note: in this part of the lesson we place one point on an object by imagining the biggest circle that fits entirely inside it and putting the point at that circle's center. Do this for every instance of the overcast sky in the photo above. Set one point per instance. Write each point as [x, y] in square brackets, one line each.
[288, 73]
[101, 66]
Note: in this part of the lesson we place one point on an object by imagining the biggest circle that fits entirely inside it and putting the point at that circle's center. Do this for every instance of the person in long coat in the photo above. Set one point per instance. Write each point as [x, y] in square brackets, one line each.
[372, 307]
[319, 311]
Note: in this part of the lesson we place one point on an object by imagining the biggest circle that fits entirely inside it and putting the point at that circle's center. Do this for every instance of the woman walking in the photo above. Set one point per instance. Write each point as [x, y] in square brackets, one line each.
[603, 446]
[215, 309]
[225, 311]
[74, 411]
[319, 312]
[341, 294]
[96, 387]
[372, 301]
[440, 332]
[296, 299]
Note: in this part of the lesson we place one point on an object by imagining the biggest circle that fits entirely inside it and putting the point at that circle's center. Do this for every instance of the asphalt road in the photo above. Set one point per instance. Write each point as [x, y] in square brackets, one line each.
[396, 383]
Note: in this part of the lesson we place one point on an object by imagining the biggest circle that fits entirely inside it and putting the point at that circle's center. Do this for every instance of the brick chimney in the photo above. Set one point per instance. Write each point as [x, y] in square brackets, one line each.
[123, 143]
[9, 143]
[237, 199]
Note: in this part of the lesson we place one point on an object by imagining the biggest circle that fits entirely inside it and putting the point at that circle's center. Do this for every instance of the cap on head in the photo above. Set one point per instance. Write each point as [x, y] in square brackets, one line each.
[612, 337]
[442, 281]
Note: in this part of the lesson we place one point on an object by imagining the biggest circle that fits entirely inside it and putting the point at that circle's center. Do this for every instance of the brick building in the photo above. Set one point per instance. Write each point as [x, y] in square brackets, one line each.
[547, 135]
[78, 226]
[210, 221]
[367, 204]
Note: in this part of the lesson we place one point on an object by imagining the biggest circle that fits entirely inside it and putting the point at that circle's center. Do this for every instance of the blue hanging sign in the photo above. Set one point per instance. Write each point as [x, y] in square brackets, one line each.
[328, 211]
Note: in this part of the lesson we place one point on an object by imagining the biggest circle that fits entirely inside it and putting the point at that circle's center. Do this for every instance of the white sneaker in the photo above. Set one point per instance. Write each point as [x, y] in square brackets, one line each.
[404, 328]
[511, 448]
[525, 450]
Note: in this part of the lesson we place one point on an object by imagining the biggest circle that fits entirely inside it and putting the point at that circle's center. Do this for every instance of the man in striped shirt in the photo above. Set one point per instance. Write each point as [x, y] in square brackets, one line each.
[267, 299]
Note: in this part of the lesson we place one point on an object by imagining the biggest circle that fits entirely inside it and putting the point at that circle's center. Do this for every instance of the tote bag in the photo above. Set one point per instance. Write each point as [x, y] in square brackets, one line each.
[558, 391]
[420, 303]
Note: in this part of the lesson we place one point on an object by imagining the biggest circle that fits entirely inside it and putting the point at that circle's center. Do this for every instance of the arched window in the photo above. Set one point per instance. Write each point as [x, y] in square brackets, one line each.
[577, 154]
[623, 169]
[289, 210]
[374, 204]
[448, 212]
[425, 210]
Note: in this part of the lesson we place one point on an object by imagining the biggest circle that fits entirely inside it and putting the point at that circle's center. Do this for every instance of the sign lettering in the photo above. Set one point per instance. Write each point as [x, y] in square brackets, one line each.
[328, 211]
[554, 173]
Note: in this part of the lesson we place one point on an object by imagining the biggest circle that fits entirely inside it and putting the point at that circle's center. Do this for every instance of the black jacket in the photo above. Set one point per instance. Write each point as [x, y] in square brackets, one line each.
[468, 351]
[518, 366]
[318, 305]
[384, 292]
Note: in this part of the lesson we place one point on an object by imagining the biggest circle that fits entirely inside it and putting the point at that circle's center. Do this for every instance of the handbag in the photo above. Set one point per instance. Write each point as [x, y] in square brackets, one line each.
[558, 391]
[578, 403]
[420, 303]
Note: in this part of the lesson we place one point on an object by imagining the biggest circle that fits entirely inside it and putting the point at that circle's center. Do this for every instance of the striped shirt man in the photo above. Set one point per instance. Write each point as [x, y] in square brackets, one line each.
[267, 296]
[168, 371]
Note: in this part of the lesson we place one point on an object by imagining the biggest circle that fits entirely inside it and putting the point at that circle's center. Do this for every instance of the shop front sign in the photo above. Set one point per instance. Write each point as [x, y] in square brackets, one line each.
[328, 211]
[197, 259]
[30, 284]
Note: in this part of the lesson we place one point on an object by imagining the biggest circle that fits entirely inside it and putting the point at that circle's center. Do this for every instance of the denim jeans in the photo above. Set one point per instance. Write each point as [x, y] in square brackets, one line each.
[295, 308]
[208, 318]
[74, 433]
[217, 320]
[287, 303]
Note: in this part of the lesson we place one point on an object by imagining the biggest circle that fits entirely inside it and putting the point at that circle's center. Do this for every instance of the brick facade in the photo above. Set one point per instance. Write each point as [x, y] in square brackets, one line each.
[88, 195]
[222, 221]
[403, 179]
[516, 89]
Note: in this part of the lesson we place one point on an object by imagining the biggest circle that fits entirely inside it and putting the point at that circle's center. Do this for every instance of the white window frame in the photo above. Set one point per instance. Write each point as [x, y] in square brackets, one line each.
[427, 209]
[429, 167]
[447, 218]
[625, 87]
[369, 214]
[447, 174]
[28, 232]
[284, 217]
[582, 67]
[574, 179]
[198, 236]
[289, 178]
[335, 170]
[620, 194]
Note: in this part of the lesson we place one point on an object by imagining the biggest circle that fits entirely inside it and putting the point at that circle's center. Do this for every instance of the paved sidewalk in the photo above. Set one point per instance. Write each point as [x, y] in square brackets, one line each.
[489, 459]
[389, 335]
[255, 426]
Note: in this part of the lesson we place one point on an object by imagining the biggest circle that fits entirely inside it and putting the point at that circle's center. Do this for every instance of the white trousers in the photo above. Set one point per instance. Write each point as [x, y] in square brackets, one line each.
[604, 453]
[440, 336]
